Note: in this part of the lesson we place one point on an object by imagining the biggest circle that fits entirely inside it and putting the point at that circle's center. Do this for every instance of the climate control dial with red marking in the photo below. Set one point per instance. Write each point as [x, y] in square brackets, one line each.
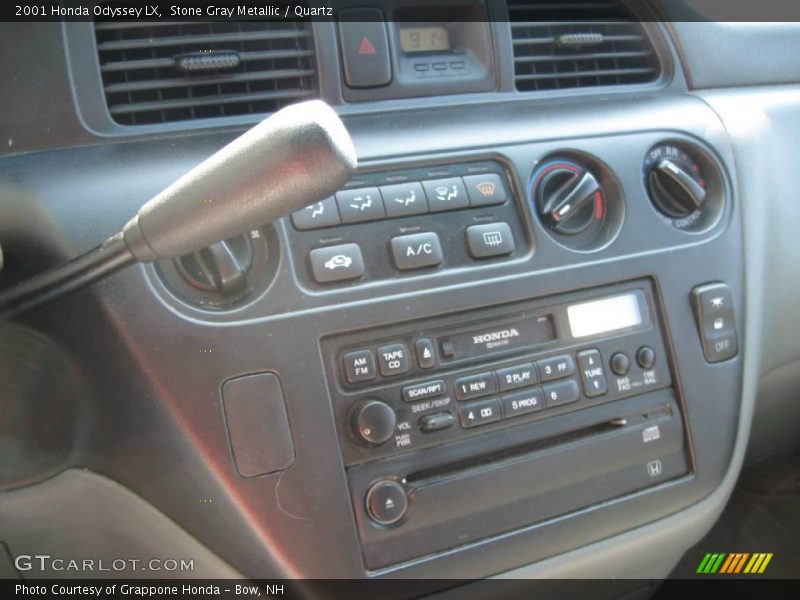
[568, 196]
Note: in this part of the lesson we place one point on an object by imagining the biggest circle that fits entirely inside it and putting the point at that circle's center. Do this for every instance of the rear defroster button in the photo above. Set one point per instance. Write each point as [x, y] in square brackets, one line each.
[492, 239]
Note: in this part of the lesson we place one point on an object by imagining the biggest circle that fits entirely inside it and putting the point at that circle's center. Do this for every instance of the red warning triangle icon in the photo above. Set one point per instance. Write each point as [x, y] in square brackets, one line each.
[366, 47]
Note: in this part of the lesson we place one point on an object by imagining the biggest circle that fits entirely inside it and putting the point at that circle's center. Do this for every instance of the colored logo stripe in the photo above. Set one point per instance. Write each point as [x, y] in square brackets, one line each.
[723, 563]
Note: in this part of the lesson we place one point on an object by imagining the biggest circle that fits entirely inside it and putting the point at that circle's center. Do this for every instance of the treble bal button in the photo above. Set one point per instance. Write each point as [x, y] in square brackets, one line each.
[373, 422]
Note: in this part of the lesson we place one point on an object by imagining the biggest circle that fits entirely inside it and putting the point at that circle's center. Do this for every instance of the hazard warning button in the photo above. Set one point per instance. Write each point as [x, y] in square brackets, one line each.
[365, 47]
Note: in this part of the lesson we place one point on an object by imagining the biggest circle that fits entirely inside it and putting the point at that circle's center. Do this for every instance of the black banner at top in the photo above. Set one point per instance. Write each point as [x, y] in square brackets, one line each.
[396, 10]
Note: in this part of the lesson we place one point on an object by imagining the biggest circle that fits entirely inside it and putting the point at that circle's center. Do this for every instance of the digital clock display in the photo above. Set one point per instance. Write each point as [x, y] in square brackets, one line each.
[424, 39]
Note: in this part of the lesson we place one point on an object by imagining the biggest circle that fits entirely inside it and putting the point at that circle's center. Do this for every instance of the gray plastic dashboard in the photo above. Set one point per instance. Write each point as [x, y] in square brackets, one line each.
[151, 417]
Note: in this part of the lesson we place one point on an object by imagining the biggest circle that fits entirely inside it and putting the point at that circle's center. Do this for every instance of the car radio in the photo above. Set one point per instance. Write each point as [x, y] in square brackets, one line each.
[427, 413]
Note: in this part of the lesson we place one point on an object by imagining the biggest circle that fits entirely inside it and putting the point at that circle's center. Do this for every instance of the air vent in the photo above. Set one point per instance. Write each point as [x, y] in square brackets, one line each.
[564, 44]
[164, 72]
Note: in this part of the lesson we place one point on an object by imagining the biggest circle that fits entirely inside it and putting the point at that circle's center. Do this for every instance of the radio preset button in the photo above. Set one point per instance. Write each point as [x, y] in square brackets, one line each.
[479, 413]
[592, 374]
[561, 392]
[436, 422]
[359, 366]
[475, 386]
[423, 391]
[556, 367]
[426, 358]
[522, 402]
[393, 359]
[518, 376]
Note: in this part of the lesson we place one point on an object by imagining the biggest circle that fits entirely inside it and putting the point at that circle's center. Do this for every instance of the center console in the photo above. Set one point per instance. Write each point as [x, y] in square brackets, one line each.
[560, 402]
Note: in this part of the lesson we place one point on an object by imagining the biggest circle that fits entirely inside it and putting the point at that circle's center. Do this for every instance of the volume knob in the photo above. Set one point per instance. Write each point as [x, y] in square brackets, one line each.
[373, 422]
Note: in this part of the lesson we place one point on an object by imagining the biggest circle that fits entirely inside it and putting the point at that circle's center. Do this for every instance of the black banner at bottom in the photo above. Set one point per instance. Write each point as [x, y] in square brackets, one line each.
[387, 589]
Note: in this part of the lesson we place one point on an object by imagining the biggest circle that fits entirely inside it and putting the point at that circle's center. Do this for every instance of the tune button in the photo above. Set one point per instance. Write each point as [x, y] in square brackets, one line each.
[386, 502]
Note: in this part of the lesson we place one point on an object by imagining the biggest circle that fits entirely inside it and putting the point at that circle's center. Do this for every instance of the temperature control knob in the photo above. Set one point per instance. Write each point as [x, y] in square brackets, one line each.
[674, 181]
[373, 422]
[568, 196]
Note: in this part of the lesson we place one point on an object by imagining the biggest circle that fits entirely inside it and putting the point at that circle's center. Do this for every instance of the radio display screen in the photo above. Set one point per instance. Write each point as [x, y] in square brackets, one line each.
[604, 315]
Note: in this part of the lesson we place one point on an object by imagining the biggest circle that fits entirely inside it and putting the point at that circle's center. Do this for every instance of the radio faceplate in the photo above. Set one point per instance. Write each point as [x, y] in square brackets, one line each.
[458, 377]
[428, 413]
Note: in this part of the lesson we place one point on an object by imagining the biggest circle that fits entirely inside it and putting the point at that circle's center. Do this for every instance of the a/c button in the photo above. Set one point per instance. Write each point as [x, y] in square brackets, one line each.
[416, 251]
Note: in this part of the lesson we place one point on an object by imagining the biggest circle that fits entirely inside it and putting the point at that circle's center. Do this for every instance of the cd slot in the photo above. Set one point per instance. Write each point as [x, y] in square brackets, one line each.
[507, 456]
[455, 502]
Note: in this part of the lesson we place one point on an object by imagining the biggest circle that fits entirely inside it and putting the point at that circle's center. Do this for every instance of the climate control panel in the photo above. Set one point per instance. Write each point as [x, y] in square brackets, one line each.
[407, 222]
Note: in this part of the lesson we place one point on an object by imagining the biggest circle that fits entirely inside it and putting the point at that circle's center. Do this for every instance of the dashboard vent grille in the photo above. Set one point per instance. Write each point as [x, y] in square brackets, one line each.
[561, 44]
[164, 72]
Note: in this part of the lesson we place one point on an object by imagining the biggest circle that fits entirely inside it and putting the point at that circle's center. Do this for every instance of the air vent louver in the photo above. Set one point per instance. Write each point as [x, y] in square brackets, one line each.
[165, 72]
[561, 44]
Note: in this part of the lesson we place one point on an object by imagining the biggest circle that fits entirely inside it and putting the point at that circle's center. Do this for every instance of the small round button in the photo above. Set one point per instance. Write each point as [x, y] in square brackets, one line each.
[620, 363]
[386, 502]
[374, 422]
[646, 357]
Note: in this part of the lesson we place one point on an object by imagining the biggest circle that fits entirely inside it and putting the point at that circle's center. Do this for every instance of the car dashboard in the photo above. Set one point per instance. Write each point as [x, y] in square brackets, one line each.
[534, 335]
